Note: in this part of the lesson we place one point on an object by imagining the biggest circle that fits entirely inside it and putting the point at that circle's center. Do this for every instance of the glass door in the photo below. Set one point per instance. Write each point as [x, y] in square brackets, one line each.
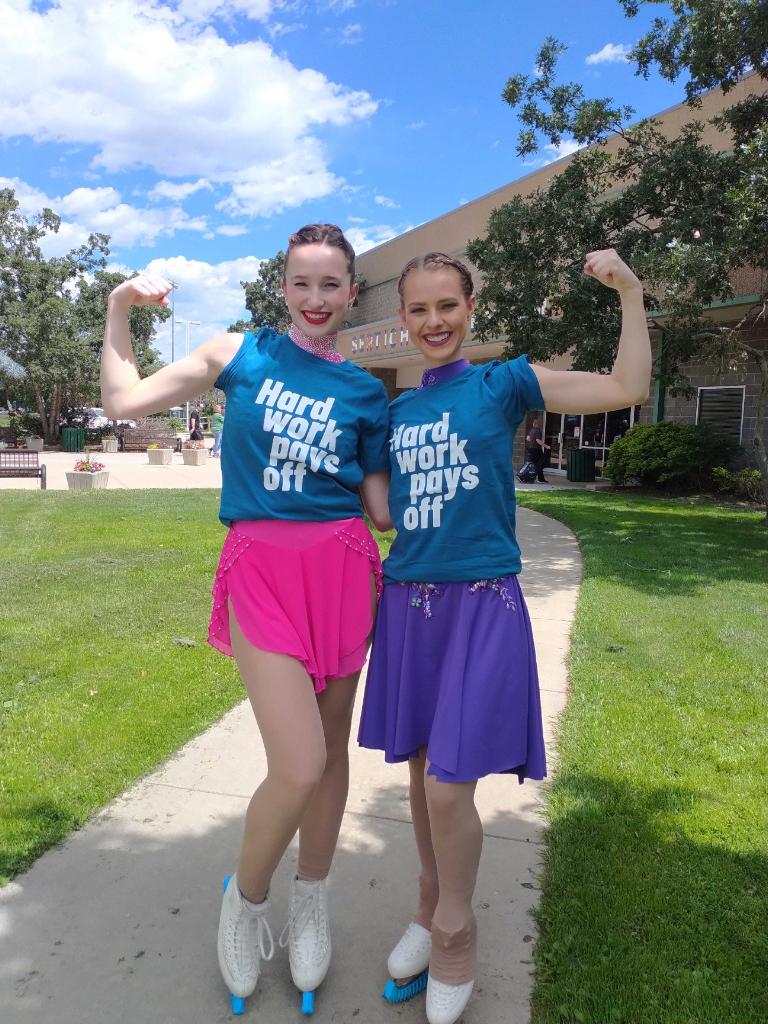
[553, 425]
[562, 431]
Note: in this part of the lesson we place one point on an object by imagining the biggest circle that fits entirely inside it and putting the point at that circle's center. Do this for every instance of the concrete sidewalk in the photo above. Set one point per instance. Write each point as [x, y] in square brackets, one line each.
[126, 469]
[132, 470]
[118, 926]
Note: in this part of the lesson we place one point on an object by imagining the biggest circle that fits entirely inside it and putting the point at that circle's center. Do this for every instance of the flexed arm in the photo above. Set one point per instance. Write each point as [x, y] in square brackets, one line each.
[628, 382]
[124, 394]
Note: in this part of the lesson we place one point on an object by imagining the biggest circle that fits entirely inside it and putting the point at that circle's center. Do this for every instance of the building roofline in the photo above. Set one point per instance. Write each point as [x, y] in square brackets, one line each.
[502, 188]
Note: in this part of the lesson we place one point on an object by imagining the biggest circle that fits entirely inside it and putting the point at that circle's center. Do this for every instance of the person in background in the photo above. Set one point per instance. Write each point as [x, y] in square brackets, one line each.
[195, 430]
[217, 428]
[536, 449]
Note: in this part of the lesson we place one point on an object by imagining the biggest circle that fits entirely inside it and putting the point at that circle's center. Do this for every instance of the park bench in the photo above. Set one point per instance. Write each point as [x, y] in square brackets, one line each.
[20, 462]
[138, 439]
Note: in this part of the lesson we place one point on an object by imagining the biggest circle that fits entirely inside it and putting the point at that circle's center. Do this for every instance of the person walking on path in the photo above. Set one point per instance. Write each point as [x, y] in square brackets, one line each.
[452, 683]
[297, 583]
[536, 449]
[195, 430]
[217, 428]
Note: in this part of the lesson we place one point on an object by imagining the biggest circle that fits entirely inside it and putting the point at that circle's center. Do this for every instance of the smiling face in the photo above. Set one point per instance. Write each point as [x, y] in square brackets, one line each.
[437, 313]
[318, 288]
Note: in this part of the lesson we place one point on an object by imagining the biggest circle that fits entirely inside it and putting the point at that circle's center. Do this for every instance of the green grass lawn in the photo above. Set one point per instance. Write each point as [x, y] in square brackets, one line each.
[94, 688]
[654, 906]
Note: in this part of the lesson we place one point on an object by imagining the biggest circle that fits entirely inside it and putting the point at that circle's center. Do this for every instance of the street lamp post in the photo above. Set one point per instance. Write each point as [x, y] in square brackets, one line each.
[187, 324]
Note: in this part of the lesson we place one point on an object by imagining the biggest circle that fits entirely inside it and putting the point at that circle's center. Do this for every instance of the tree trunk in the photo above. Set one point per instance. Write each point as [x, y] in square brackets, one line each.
[55, 415]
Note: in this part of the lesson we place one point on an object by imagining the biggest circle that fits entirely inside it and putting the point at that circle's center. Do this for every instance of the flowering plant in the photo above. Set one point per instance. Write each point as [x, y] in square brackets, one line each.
[194, 444]
[88, 465]
[157, 444]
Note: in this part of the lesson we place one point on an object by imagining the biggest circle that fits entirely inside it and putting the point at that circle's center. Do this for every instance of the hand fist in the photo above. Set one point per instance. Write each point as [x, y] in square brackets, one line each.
[142, 290]
[609, 269]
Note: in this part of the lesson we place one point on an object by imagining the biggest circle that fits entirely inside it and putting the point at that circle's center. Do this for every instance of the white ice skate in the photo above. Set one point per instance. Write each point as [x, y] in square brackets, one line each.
[308, 937]
[245, 939]
[446, 1003]
[407, 964]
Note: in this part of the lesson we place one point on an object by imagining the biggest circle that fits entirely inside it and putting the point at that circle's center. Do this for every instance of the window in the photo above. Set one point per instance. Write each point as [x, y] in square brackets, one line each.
[722, 409]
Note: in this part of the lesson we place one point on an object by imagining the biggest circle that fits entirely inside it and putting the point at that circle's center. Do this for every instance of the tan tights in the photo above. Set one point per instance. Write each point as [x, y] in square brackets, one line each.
[449, 839]
[306, 738]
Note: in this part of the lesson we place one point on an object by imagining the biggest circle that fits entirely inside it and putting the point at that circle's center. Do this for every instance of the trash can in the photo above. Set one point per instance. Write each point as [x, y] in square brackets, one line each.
[580, 464]
[73, 439]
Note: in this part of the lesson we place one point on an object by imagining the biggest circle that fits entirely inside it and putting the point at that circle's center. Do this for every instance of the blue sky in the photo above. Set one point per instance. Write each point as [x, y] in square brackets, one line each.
[200, 134]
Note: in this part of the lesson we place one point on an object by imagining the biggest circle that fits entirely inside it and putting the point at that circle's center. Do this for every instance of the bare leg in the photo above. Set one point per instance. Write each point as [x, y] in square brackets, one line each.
[321, 821]
[286, 710]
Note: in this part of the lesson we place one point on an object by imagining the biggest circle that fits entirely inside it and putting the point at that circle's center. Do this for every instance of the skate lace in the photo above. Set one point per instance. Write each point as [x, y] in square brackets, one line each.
[307, 909]
[240, 939]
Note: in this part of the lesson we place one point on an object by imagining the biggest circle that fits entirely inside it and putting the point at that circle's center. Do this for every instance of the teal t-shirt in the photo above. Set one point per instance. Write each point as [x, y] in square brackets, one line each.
[302, 432]
[452, 490]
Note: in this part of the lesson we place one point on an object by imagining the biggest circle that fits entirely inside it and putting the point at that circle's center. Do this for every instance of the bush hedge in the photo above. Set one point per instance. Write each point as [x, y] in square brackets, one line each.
[669, 454]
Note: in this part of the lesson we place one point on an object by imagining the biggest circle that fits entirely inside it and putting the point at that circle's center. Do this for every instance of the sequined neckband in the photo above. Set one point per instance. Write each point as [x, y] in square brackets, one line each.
[324, 346]
[437, 374]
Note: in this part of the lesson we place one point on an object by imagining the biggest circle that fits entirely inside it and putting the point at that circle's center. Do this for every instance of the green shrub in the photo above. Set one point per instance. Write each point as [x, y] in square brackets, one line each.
[662, 454]
[744, 483]
[27, 423]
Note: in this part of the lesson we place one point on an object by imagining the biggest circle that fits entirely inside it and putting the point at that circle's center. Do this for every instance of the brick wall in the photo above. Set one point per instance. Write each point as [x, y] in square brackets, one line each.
[379, 302]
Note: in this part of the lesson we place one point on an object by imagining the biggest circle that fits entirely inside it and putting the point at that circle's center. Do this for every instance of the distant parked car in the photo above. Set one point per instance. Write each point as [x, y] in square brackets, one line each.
[94, 418]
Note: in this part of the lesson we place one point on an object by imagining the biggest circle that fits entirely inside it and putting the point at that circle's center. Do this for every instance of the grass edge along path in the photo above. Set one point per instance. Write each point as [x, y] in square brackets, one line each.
[105, 671]
[654, 903]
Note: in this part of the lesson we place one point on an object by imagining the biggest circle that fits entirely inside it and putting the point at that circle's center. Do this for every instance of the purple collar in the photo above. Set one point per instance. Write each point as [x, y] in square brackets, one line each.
[438, 374]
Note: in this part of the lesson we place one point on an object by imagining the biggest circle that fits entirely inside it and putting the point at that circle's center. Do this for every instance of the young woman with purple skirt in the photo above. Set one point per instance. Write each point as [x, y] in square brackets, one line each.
[452, 683]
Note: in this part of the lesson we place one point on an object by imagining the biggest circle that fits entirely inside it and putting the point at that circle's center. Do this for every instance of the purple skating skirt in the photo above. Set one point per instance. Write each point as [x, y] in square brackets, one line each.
[453, 669]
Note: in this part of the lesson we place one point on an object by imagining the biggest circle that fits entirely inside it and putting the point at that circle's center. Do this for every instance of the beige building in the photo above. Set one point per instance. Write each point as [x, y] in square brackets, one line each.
[377, 341]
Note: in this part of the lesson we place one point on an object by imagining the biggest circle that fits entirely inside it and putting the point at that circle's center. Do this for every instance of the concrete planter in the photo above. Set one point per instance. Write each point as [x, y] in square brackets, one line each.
[195, 456]
[35, 444]
[109, 444]
[160, 456]
[80, 481]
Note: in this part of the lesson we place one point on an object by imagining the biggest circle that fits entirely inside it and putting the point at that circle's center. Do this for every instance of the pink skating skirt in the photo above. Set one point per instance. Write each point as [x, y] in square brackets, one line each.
[301, 589]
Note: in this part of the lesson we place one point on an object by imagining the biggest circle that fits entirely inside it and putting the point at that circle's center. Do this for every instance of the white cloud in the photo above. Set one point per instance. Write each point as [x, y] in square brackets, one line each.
[357, 220]
[363, 239]
[201, 11]
[339, 6]
[207, 292]
[145, 85]
[565, 148]
[178, 192]
[282, 183]
[611, 53]
[86, 210]
[351, 35]
[281, 28]
[386, 201]
[232, 230]
[415, 125]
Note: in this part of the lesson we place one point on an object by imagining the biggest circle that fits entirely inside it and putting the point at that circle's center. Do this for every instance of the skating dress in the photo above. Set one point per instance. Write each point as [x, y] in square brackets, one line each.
[453, 666]
[298, 561]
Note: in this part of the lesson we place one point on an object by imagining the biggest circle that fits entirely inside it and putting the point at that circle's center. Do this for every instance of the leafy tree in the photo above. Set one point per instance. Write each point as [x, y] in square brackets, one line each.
[52, 314]
[685, 215]
[264, 298]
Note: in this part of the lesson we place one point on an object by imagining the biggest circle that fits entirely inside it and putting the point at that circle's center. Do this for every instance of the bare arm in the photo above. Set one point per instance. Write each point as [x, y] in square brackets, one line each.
[124, 394]
[374, 492]
[628, 382]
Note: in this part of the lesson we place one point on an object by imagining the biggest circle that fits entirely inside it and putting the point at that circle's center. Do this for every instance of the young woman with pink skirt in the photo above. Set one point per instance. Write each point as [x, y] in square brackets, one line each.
[299, 575]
